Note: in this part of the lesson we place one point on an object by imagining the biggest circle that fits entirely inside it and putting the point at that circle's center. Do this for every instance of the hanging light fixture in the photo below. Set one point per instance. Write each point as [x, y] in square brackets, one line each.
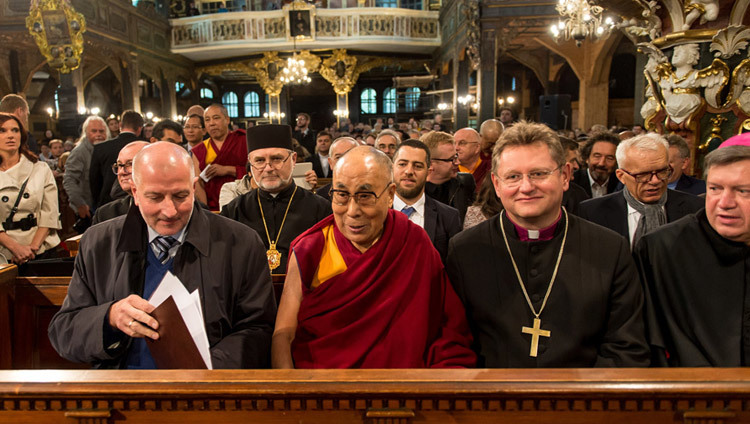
[295, 71]
[580, 20]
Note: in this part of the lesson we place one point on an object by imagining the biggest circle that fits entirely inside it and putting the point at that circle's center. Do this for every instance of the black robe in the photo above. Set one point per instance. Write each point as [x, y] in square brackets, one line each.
[305, 211]
[697, 297]
[594, 311]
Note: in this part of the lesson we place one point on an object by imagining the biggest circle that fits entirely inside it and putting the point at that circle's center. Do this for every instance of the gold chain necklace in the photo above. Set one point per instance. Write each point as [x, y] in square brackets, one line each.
[273, 255]
[535, 331]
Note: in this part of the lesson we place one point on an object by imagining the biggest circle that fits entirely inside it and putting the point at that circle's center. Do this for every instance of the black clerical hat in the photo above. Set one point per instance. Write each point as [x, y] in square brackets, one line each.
[266, 136]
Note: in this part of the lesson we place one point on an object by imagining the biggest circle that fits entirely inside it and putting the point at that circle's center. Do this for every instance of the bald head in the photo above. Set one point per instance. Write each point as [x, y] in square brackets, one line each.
[468, 146]
[490, 132]
[125, 163]
[161, 158]
[367, 159]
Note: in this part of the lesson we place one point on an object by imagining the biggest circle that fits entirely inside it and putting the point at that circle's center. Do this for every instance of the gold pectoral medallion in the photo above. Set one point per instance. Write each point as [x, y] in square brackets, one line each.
[274, 257]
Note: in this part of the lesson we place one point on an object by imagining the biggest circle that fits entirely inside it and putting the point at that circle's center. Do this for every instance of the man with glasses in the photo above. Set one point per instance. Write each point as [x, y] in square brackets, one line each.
[469, 149]
[221, 158]
[597, 179]
[123, 169]
[444, 183]
[101, 178]
[339, 147]
[536, 287]
[278, 210]
[645, 203]
[365, 287]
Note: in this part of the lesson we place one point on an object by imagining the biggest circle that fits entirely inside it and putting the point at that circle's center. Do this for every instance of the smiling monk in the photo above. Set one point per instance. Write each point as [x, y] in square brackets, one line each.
[365, 287]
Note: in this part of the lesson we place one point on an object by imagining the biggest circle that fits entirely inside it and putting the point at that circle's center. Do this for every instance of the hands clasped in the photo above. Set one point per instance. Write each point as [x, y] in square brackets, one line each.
[131, 316]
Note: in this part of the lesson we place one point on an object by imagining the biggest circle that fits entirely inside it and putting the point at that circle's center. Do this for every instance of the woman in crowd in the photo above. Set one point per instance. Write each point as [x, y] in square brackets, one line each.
[28, 198]
[485, 207]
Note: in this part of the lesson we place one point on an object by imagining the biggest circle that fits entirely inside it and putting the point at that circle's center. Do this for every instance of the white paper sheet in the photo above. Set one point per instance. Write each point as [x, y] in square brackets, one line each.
[203, 175]
[189, 305]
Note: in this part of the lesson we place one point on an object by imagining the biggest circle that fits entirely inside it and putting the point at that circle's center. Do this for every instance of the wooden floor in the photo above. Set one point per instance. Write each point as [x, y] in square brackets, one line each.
[378, 396]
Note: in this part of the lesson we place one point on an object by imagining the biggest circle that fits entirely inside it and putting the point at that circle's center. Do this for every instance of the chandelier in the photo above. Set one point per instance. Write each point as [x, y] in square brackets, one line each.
[295, 71]
[580, 20]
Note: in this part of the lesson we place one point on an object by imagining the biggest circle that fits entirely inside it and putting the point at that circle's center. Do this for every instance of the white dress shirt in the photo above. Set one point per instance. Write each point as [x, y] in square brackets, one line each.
[418, 216]
[323, 164]
[597, 190]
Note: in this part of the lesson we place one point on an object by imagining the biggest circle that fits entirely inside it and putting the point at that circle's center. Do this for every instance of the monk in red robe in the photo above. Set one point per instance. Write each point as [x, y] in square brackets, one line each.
[224, 153]
[365, 288]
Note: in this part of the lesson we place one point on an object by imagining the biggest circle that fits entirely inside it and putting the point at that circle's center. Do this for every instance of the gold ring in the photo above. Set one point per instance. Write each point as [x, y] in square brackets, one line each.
[131, 323]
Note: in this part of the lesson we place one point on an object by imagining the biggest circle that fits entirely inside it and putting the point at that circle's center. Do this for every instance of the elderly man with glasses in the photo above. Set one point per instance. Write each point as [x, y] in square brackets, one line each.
[365, 287]
[645, 204]
[537, 288]
[278, 210]
[469, 150]
[444, 183]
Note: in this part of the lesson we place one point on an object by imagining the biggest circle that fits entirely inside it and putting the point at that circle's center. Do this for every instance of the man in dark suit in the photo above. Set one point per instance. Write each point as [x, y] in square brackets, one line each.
[105, 154]
[340, 146]
[303, 134]
[645, 203]
[411, 164]
[597, 178]
[679, 159]
[444, 183]
[319, 159]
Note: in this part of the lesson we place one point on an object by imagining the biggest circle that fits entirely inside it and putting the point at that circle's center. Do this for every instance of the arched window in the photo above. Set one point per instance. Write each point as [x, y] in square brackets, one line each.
[252, 104]
[368, 101]
[389, 100]
[229, 100]
[412, 98]
[206, 93]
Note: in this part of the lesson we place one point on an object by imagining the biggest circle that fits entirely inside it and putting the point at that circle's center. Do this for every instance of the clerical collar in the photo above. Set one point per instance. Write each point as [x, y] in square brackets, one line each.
[544, 234]
[283, 194]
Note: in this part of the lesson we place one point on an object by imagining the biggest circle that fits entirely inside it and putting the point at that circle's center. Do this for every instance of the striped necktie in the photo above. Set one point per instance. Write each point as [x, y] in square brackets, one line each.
[162, 245]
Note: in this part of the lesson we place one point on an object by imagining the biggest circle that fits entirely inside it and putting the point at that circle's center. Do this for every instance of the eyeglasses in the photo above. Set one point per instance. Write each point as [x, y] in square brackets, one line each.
[514, 180]
[362, 198]
[127, 166]
[644, 177]
[192, 127]
[451, 159]
[463, 143]
[275, 162]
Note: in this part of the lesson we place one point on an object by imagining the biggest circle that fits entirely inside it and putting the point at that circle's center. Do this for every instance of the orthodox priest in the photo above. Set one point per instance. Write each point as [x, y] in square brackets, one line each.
[696, 271]
[542, 287]
[365, 287]
[221, 158]
[278, 210]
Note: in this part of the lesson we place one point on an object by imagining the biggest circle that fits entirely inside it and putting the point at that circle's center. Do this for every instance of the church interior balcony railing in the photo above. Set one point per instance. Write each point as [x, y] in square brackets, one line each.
[224, 35]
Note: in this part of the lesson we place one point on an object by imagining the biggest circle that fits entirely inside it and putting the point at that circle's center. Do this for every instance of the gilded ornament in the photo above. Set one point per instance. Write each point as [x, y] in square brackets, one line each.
[58, 31]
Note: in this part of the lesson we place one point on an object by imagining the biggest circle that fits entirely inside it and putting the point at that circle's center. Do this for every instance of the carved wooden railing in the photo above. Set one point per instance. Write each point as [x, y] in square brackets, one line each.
[335, 28]
[379, 396]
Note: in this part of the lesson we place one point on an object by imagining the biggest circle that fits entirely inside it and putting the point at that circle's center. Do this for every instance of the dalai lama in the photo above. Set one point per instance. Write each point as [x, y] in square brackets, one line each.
[365, 287]
[541, 287]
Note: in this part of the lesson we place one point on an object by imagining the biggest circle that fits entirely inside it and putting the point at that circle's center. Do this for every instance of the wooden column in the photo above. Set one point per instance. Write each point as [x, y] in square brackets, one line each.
[487, 91]
[461, 114]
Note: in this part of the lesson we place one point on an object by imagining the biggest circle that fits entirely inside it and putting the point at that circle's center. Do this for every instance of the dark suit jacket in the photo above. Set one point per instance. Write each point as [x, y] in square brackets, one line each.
[101, 176]
[307, 141]
[573, 197]
[323, 191]
[457, 192]
[318, 168]
[441, 222]
[611, 211]
[581, 178]
[688, 184]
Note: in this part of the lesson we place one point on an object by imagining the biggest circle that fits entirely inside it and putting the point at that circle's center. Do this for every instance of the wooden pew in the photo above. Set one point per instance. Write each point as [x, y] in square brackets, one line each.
[27, 305]
[565, 396]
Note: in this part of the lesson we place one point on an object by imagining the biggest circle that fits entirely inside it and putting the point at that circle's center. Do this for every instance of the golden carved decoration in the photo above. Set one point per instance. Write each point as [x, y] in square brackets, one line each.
[58, 31]
[268, 73]
[681, 37]
[715, 135]
[343, 71]
[312, 62]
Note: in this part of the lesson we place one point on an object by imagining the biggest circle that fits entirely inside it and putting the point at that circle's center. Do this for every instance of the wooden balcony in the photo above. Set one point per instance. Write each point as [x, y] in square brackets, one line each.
[224, 35]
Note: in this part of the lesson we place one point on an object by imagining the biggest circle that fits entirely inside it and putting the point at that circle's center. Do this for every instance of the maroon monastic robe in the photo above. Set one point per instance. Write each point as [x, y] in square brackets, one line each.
[233, 153]
[389, 307]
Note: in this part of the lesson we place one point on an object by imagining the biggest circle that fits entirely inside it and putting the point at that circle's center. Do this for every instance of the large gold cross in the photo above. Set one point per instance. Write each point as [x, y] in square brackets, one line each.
[535, 332]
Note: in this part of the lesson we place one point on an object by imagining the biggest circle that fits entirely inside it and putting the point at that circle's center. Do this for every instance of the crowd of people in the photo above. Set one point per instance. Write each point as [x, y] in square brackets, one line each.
[511, 246]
